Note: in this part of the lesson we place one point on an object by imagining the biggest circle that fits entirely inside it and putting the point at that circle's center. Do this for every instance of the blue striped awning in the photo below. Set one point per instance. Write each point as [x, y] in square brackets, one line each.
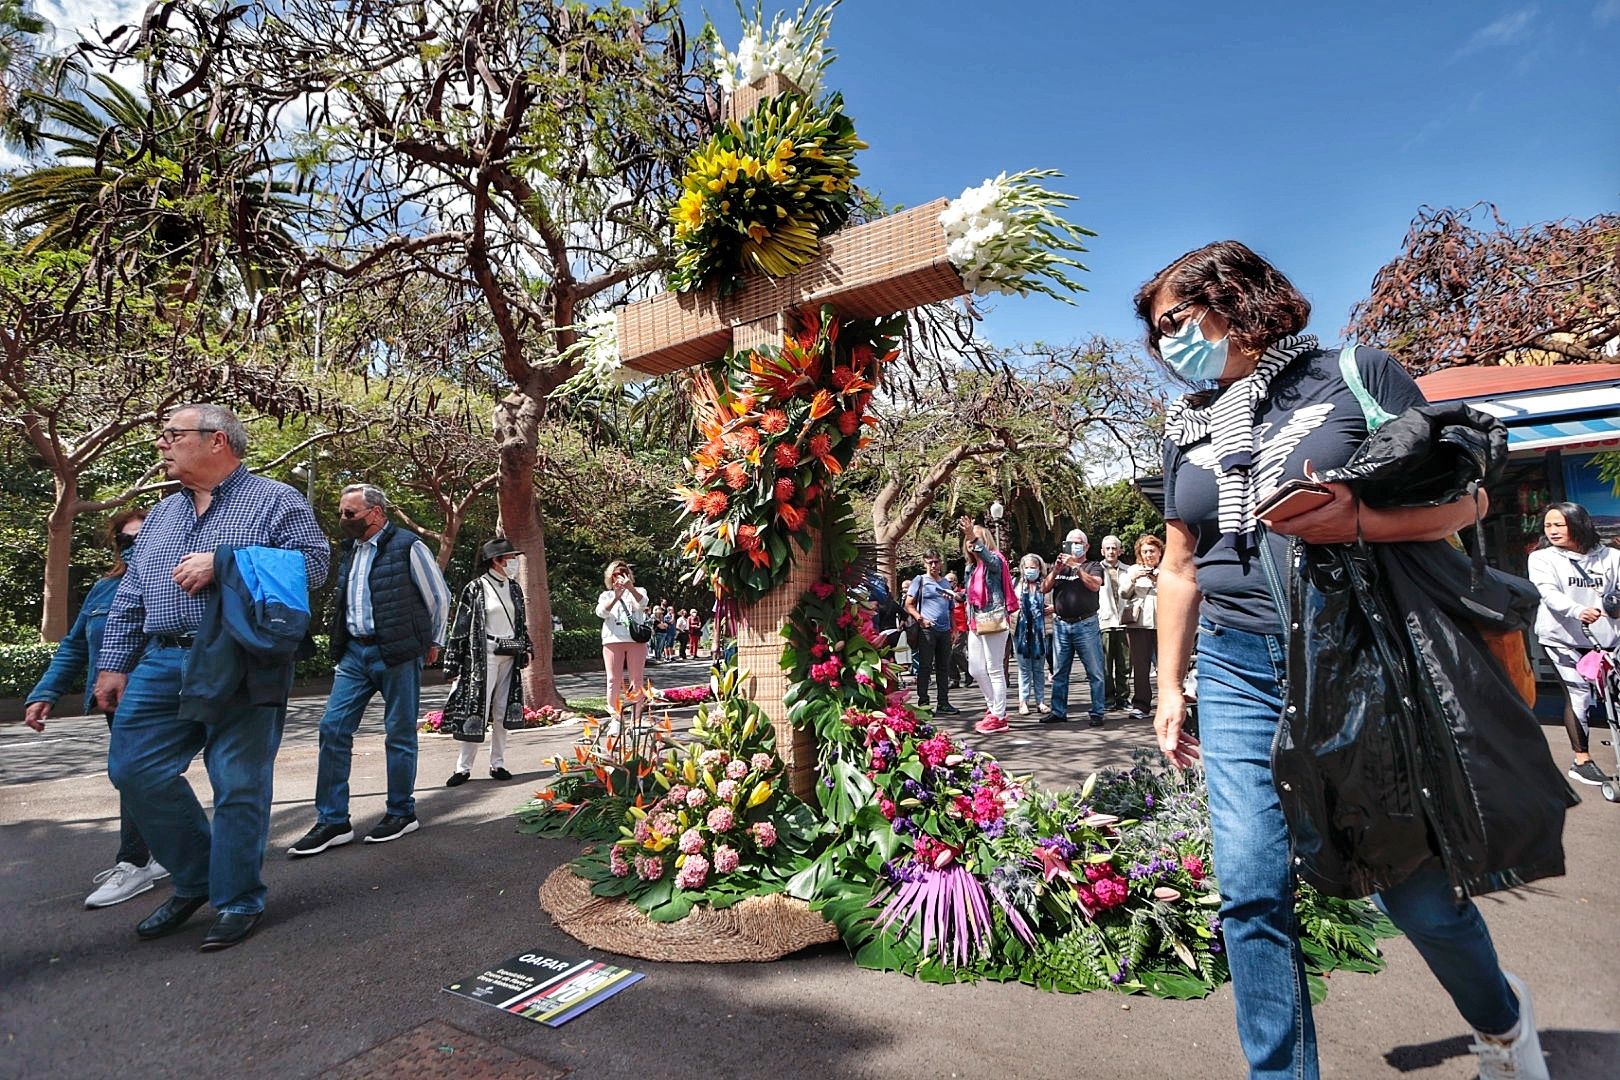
[1593, 432]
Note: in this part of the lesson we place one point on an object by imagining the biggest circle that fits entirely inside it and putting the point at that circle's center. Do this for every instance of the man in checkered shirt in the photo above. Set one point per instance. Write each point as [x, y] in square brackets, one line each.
[154, 620]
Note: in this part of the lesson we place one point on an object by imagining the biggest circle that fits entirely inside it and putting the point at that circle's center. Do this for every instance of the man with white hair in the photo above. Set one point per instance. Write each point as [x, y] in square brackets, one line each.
[391, 608]
[1073, 584]
[1111, 617]
[151, 629]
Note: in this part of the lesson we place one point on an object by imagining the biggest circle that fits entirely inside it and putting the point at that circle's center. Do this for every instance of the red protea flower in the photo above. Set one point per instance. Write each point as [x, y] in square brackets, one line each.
[820, 444]
[841, 377]
[811, 494]
[786, 455]
[785, 489]
[715, 503]
[745, 438]
[849, 422]
[736, 476]
[774, 422]
[694, 503]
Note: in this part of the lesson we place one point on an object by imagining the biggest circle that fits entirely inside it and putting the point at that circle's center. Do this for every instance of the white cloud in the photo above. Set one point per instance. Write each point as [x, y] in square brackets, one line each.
[1606, 12]
[1506, 30]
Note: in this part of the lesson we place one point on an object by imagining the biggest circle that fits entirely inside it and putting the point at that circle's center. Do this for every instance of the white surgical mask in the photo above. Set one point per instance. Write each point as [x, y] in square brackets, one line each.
[1193, 356]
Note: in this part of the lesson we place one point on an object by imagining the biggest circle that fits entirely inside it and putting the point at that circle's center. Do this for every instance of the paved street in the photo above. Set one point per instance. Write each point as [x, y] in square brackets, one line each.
[356, 943]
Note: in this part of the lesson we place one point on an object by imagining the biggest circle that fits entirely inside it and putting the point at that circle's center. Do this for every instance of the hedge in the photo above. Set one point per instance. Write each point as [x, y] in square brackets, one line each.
[22, 665]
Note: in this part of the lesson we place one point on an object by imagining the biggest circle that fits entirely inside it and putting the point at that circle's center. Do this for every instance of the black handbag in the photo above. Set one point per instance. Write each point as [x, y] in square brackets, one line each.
[641, 630]
[508, 646]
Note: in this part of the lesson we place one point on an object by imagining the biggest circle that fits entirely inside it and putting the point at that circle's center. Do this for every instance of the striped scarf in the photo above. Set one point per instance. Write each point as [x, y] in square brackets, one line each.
[1229, 422]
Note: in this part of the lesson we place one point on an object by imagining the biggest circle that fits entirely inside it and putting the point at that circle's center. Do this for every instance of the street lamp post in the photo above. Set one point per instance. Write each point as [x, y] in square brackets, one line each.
[997, 511]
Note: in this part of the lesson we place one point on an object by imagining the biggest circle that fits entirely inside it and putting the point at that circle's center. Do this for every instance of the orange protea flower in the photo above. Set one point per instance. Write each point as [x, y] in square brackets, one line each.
[693, 498]
[785, 489]
[715, 503]
[792, 516]
[849, 421]
[786, 456]
[821, 405]
[748, 538]
[775, 422]
[746, 403]
[744, 438]
[736, 476]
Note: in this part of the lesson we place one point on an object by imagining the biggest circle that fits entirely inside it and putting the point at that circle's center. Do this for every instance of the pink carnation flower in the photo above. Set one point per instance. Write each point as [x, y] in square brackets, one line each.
[721, 818]
[643, 831]
[1194, 867]
[725, 859]
[691, 842]
[618, 865]
[764, 833]
[677, 794]
[693, 872]
[737, 769]
[726, 791]
[760, 762]
[696, 797]
[649, 867]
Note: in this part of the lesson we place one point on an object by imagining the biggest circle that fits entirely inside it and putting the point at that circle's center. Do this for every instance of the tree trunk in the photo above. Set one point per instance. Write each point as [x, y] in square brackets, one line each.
[517, 427]
[53, 621]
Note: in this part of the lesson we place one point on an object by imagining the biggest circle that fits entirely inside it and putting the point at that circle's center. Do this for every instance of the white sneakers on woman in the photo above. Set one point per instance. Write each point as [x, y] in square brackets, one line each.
[123, 881]
[1519, 1058]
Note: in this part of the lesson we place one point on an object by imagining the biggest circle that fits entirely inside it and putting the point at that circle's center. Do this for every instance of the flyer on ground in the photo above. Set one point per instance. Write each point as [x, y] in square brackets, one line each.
[547, 989]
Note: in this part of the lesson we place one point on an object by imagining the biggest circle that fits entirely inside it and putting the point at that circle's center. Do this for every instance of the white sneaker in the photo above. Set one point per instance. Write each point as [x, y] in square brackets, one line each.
[1517, 1060]
[124, 881]
[1023, 708]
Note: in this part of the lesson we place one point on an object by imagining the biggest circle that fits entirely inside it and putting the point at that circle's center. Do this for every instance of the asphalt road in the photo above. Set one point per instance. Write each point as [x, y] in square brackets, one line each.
[357, 942]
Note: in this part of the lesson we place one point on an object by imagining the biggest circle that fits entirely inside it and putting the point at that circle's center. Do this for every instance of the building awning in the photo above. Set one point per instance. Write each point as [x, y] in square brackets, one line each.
[1572, 436]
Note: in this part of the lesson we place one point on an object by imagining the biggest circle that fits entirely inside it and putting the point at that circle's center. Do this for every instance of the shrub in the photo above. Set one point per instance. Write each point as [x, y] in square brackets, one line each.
[22, 665]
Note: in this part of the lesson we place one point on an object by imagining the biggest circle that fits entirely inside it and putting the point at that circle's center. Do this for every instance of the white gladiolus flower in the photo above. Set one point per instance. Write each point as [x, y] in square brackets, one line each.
[794, 47]
[1004, 236]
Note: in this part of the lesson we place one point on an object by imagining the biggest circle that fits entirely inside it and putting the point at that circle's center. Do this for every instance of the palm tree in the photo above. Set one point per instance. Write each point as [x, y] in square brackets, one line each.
[23, 67]
[154, 188]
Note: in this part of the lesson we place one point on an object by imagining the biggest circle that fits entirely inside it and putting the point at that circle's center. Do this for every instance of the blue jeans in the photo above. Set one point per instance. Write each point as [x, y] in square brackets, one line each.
[151, 749]
[1031, 678]
[1239, 702]
[1082, 637]
[360, 674]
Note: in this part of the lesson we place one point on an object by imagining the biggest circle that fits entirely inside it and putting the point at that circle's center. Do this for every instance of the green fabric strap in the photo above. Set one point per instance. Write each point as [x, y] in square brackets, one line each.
[1374, 413]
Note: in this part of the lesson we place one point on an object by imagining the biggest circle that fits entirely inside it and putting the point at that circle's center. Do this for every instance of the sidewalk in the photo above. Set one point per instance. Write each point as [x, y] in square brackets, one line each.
[356, 943]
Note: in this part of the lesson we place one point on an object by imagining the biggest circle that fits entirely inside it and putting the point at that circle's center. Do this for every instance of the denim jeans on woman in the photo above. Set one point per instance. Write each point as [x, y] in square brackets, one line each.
[1239, 701]
[150, 750]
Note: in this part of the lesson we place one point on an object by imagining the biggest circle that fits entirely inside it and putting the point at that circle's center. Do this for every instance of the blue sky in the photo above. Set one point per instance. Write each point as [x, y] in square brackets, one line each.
[1312, 132]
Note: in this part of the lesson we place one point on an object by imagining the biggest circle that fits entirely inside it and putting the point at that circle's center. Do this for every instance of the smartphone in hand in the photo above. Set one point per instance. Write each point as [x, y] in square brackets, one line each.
[1292, 499]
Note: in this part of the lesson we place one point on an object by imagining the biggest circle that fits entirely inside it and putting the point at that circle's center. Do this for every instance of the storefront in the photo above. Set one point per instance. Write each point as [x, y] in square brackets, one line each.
[1558, 419]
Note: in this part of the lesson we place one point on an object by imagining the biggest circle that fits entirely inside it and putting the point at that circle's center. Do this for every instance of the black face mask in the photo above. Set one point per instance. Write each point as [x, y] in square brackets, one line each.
[124, 541]
[353, 528]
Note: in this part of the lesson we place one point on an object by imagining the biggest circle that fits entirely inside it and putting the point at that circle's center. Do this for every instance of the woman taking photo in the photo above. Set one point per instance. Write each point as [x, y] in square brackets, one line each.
[489, 644]
[133, 871]
[1141, 601]
[1222, 315]
[1574, 570]
[1029, 636]
[621, 606]
[989, 597]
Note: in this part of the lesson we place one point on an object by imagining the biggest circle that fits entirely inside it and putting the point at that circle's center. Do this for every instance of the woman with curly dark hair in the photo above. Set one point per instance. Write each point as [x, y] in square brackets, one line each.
[1273, 406]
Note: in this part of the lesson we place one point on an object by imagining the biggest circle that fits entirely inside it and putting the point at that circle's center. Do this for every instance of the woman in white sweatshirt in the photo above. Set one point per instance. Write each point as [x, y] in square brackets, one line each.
[620, 605]
[1574, 570]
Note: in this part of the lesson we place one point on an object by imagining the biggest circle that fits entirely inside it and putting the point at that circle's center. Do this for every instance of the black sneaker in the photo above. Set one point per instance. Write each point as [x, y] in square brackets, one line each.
[320, 838]
[457, 779]
[1054, 718]
[947, 710]
[1094, 721]
[499, 774]
[1587, 772]
[392, 827]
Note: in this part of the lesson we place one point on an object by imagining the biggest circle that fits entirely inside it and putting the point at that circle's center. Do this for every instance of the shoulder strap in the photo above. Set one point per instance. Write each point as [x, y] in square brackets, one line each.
[1375, 414]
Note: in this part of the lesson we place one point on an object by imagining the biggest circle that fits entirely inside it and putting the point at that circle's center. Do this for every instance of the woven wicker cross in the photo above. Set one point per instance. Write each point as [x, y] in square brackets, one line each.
[894, 264]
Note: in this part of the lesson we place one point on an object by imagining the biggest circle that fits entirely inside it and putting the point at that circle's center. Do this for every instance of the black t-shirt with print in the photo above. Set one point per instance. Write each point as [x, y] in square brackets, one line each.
[1073, 599]
[1312, 415]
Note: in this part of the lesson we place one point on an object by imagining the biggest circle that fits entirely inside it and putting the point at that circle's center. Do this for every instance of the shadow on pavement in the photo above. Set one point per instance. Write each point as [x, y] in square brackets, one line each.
[1571, 1055]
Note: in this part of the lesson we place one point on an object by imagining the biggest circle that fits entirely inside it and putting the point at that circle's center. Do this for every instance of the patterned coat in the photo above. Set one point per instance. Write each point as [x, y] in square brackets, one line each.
[466, 660]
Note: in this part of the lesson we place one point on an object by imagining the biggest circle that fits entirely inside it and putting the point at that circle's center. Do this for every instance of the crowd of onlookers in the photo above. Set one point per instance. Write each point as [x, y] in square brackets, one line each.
[1038, 620]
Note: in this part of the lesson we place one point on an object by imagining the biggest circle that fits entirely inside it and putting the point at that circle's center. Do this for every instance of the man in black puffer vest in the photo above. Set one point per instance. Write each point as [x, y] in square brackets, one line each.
[391, 606]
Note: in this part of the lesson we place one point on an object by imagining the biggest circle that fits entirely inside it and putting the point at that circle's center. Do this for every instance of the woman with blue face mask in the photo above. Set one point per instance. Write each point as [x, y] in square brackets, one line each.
[1029, 636]
[1273, 406]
